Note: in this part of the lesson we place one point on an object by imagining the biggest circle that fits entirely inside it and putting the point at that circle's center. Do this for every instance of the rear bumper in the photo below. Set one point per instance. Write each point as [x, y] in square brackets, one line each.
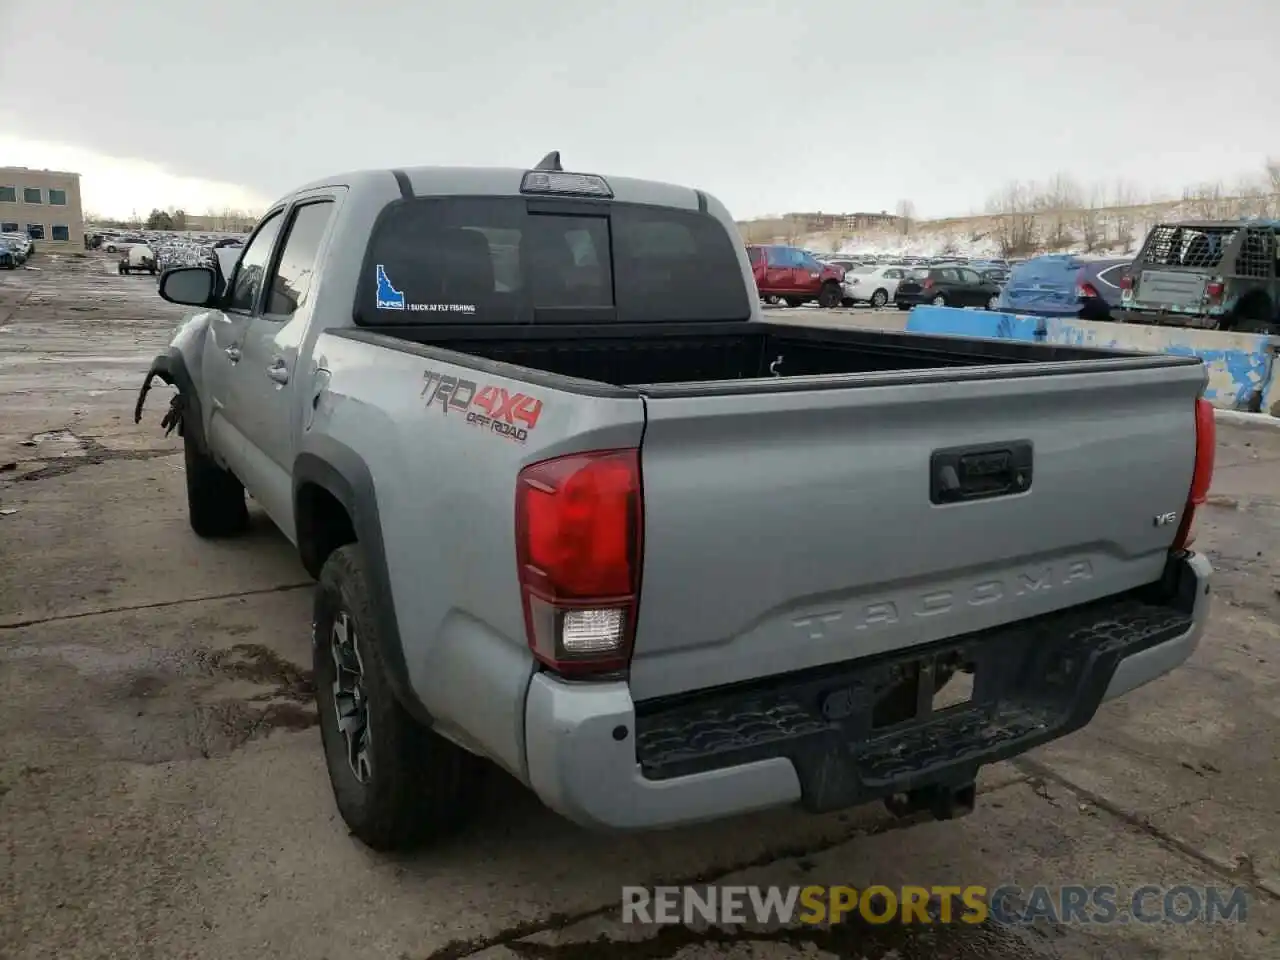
[814, 738]
[1168, 318]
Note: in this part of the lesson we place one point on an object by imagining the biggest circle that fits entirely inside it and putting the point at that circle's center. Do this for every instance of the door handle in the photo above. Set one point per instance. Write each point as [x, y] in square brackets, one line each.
[278, 372]
[233, 354]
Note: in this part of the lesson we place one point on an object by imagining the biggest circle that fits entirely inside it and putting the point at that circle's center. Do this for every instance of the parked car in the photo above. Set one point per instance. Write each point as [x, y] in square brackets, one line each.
[8, 255]
[481, 472]
[1105, 278]
[20, 245]
[946, 286]
[995, 271]
[794, 276]
[1216, 274]
[138, 258]
[1059, 285]
[876, 285]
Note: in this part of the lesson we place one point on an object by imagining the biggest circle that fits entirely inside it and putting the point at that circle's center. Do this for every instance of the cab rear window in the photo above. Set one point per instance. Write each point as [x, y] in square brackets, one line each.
[506, 260]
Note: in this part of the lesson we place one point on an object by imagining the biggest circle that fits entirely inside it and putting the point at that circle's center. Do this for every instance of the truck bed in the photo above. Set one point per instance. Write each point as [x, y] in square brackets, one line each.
[883, 491]
[689, 354]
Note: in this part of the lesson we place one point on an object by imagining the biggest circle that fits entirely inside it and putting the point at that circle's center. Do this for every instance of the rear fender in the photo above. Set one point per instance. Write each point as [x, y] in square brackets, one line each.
[179, 366]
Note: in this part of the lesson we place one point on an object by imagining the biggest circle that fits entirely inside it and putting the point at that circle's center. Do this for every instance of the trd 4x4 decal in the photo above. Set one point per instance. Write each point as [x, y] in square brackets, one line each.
[495, 409]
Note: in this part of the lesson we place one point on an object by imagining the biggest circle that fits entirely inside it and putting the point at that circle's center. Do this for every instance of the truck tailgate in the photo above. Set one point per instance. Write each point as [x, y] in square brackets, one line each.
[1170, 288]
[798, 527]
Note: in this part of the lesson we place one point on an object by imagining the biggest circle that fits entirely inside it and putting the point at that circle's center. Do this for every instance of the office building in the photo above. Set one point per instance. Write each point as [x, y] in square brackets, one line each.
[43, 204]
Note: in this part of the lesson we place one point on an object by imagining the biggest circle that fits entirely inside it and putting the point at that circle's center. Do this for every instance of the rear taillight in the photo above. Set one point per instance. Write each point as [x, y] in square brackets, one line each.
[1213, 290]
[928, 284]
[1201, 476]
[1086, 290]
[579, 521]
[1126, 282]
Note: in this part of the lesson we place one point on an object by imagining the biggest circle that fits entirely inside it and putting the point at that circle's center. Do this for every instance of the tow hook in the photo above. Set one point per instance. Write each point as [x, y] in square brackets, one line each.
[942, 801]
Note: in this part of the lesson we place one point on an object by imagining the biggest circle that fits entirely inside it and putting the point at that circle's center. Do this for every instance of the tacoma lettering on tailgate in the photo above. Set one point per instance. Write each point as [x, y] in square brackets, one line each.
[491, 408]
[885, 612]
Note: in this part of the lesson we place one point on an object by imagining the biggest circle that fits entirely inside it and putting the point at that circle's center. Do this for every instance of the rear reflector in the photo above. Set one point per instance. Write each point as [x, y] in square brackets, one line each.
[1202, 475]
[578, 547]
[567, 184]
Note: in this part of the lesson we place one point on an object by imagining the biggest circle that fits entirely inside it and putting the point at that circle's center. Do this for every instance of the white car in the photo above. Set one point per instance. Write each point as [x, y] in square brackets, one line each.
[20, 242]
[875, 285]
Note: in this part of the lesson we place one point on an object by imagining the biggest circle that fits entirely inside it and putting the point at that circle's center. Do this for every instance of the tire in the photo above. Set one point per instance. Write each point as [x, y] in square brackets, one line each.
[1253, 315]
[414, 785]
[215, 498]
[794, 302]
[829, 296]
[939, 301]
[879, 298]
[111, 248]
[992, 301]
[772, 300]
[848, 302]
[904, 306]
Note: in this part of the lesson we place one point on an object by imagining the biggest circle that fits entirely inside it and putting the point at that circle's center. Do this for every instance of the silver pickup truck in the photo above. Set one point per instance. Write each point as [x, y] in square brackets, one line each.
[576, 508]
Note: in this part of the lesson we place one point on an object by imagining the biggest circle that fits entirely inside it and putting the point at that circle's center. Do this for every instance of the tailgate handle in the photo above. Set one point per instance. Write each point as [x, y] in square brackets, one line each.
[961, 474]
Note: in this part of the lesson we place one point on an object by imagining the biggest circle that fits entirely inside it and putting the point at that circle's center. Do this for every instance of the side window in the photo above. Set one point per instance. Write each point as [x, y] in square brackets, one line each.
[809, 263]
[779, 256]
[253, 265]
[755, 255]
[970, 276]
[948, 274]
[1113, 275]
[292, 280]
[893, 274]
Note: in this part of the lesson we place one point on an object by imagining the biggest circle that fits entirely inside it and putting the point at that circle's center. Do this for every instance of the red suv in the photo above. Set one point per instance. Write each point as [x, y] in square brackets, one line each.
[794, 277]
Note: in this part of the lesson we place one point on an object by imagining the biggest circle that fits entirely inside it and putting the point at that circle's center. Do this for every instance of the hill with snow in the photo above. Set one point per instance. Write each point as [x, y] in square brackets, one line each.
[1104, 231]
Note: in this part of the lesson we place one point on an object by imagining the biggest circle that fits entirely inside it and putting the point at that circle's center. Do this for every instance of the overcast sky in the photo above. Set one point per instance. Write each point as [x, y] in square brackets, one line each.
[839, 105]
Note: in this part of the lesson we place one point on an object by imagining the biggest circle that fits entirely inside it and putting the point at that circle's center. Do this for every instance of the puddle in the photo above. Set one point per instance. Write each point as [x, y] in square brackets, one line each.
[59, 443]
[56, 436]
[155, 705]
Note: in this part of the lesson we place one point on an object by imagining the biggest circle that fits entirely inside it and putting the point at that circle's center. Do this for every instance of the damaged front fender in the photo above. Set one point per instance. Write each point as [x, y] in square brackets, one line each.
[165, 367]
[179, 366]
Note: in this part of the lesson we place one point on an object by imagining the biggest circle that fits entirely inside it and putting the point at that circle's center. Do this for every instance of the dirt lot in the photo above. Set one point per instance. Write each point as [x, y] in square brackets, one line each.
[162, 792]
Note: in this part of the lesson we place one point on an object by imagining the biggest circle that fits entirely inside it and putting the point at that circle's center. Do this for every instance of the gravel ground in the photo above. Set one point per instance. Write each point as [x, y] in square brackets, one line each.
[162, 792]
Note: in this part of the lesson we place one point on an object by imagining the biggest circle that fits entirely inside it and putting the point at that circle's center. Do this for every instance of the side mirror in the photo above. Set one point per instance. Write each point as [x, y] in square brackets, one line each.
[189, 286]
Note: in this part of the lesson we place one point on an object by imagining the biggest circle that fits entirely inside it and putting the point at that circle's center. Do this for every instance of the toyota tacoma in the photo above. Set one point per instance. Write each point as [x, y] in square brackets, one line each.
[577, 510]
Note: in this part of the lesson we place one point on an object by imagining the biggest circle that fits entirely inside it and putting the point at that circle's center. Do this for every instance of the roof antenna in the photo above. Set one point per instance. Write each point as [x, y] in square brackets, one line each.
[550, 162]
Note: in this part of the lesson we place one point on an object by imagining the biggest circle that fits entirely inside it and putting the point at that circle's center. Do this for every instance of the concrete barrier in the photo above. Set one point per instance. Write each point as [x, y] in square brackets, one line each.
[1240, 365]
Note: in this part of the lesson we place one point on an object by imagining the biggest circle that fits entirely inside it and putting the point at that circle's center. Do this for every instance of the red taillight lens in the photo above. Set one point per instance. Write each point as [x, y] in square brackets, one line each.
[928, 283]
[578, 546]
[1126, 282]
[1202, 475]
[1086, 290]
[1213, 290]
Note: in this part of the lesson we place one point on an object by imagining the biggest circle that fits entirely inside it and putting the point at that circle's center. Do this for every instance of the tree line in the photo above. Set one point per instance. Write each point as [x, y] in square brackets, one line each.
[1026, 217]
[225, 220]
